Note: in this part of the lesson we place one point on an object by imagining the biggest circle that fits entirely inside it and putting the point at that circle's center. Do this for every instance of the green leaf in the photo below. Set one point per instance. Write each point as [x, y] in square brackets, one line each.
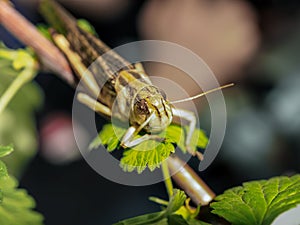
[200, 139]
[44, 30]
[176, 134]
[82, 23]
[145, 155]
[148, 219]
[16, 205]
[3, 170]
[167, 216]
[196, 222]
[149, 153]
[176, 220]
[86, 26]
[258, 202]
[176, 201]
[5, 150]
[108, 136]
[96, 142]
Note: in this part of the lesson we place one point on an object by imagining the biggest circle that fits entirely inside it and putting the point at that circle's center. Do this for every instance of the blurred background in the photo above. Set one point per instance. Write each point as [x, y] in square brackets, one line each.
[252, 43]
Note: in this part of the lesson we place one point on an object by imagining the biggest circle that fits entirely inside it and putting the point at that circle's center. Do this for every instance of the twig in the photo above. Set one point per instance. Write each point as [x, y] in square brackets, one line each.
[167, 178]
[24, 77]
[190, 182]
[27, 33]
[28, 72]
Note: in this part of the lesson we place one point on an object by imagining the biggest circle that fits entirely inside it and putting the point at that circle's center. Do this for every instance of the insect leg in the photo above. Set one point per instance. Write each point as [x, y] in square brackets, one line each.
[128, 141]
[76, 62]
[139, 67]
[191, 118]
[93, 104]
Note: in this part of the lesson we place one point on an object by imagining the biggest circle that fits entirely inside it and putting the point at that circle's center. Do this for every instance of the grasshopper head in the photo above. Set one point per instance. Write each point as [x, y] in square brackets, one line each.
[151, 105]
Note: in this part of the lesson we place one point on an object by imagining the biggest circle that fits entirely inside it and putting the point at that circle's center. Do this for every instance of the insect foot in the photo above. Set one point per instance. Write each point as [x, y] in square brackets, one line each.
[194, 153]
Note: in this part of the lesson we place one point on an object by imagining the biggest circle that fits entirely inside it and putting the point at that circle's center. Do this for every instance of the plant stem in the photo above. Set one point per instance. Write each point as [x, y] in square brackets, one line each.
[159, 201]
[167, 178]
[25, 76]
[26, 67]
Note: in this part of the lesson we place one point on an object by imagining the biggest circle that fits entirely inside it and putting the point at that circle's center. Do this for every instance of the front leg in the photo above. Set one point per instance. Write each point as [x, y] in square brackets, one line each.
[191, 118]
[139, 67]
[128, 140]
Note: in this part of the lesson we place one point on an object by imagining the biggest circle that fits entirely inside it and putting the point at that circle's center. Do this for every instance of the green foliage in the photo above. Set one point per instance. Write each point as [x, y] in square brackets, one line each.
[149, 153]
[17, 118]
[48, 10]
[258, 202]
[3, 173]
[86, 26]
[145, 155]
[168, 216]
[5, 150]
[176, 201]
[44, 30]
[82, 23]
[16, 60]
[15, 204]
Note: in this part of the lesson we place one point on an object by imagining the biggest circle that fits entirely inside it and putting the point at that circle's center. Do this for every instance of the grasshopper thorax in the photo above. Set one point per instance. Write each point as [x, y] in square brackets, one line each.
[151, 109]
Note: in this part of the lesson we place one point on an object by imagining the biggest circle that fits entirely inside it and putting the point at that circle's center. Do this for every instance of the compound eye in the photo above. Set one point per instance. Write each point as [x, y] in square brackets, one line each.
[163, 94]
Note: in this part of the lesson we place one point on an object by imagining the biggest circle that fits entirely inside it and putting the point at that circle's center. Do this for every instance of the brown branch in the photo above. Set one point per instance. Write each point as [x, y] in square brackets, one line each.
[27, 33]
[190, 182]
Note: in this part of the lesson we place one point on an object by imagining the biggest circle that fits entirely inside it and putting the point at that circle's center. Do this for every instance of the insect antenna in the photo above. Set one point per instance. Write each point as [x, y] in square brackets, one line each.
[202, 94]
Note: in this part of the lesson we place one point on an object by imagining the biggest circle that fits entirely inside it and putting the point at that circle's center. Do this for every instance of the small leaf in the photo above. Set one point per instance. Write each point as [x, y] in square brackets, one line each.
[16, 205]
[176, 220]
[86, 26]
[202, 140]
[3, 170]
[44, 30]
[188, 212]
[179, 220]
[109, 136]
[96, 142]
[5, 150]
[167, 216]
[152, 218]
[149, 153]
[258, 202]
[176, 201]
[175, 134]
[145, 155]
[196, 222]
[22, 59]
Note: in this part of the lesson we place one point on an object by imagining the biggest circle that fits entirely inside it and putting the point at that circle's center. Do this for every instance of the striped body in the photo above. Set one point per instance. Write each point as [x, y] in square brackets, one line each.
[123, 88]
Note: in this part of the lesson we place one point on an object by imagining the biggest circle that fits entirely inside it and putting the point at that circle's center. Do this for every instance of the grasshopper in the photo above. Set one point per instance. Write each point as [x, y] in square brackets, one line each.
[147, 106]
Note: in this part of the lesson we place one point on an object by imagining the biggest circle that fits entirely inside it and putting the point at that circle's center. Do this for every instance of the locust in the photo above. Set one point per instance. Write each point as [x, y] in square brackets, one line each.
[138, 100]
